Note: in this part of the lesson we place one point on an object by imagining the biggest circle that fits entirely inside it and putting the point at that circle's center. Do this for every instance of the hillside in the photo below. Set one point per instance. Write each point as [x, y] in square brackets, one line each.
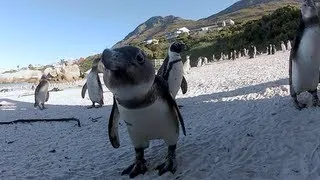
[246, 10]
[241, 11]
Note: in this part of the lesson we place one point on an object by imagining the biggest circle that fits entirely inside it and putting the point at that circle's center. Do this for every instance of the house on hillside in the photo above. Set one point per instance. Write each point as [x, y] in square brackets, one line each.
[151, 41]
[224, 23]
[171, 36]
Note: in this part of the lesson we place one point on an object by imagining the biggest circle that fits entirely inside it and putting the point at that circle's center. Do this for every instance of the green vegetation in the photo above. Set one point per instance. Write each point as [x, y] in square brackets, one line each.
[86, 63]
[279, 26]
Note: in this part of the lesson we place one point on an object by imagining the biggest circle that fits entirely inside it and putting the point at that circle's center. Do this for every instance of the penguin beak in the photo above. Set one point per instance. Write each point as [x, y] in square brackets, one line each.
[113, 60]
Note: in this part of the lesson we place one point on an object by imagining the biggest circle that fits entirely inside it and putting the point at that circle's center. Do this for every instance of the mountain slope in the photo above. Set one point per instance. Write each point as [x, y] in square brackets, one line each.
[155, 26]
[245, 10]
[241, 11]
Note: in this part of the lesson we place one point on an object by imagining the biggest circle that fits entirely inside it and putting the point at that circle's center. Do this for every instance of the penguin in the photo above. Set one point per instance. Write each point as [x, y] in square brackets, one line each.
[304, 60]
[186, 66]
[143, 100]
[252, 51]
[289, 47]
[234, 55]
[199, 62]
[172, 69]
[41, 94]
[283, 47]
[213, 58]
[93, 85]
[270, 49]
[274, 49]
[245, 52]
[221, 57]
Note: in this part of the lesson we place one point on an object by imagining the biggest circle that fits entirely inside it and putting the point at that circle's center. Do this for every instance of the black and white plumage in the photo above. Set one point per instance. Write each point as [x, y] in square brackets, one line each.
[41, 94]
[304, 59]
[143, 100]
[93, 85]
[172, 69]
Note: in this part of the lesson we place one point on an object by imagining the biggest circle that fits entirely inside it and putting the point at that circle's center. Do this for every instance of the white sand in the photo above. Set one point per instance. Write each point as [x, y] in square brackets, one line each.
[240, 121]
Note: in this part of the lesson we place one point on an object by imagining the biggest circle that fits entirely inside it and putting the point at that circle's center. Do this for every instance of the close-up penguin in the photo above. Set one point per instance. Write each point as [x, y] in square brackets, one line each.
[143, 101]
[304, 58]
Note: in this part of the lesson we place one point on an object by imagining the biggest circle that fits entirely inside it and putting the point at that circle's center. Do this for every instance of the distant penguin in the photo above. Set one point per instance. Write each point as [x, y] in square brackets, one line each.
[234, 55]
[199, 62]
[304, 59]
[252, 51]
[289, 47]
[186, 65]
[41, 94]
[245, 52]
[221, 57]
[94, 86]
[205, 61]
[143, 100]
[213, 58]
[283, 46]
[172, 69]
[239, 54]
[270, 49]
[274, 49]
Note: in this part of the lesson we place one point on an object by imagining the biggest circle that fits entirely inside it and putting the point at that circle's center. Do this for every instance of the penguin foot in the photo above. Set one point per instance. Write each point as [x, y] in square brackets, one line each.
[139, 167]
[90, 107]
[300, 106]
[99, 106]
[316, 103]
[169, 166]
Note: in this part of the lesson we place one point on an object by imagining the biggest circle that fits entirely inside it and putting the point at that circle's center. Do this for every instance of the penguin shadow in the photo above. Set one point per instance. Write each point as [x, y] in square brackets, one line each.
[12, 109]
[224, 137]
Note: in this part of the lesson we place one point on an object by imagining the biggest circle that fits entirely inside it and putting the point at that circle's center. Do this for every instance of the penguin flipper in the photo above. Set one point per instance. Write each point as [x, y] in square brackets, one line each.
[47, 98]
[164, 89]
[161, 72]
[184, 85]
[113, 125]
[84, 89]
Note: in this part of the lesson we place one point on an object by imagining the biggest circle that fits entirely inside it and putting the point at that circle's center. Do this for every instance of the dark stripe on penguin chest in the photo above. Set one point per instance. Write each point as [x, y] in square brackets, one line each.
[141, 102]
[167, 72]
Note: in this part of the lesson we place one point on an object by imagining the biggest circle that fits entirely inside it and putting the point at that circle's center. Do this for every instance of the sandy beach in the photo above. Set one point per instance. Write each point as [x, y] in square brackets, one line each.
[240, 121]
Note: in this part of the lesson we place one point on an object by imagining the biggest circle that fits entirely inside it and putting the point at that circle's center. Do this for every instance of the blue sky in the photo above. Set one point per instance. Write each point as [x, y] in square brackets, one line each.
[45, 31]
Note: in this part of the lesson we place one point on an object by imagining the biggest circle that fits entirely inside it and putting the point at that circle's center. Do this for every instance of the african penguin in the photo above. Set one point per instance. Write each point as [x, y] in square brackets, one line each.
[41, 94]
[93, 85]
[186, 66]
[172, 69]
[289, 47]
[304, 61]
[274, 49]
[283, 46]
[143, 100]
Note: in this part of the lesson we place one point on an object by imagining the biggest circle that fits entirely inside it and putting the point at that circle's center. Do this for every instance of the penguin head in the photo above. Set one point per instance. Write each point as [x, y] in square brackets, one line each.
[177, 47]
[127, 69]
[308, 10]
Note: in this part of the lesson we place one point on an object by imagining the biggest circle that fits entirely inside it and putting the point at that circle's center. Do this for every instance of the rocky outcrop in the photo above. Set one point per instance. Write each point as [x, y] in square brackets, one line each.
[31, 76]
[56, 74]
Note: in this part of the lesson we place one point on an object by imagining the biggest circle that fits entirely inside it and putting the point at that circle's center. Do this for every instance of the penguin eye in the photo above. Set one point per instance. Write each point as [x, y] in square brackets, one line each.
[140, 58]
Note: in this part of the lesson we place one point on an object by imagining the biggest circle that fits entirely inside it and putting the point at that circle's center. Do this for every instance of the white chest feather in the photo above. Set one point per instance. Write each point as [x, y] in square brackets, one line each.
[305, 68]
[94, 91]
[156, 121]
